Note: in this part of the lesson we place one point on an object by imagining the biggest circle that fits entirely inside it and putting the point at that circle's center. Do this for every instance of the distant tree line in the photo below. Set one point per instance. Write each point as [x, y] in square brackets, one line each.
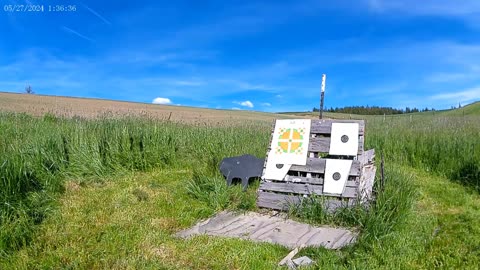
[373, 110]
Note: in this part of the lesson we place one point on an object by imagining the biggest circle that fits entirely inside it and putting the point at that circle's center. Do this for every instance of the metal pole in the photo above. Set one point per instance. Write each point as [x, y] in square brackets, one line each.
[322, 95]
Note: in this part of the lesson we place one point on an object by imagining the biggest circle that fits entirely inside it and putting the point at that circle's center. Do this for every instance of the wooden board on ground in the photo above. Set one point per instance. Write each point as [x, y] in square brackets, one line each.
[275, 230]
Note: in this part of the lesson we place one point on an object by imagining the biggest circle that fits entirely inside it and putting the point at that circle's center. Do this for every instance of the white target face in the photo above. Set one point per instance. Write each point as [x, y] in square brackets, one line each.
[275, 171]
[336, 175]
[344, 139]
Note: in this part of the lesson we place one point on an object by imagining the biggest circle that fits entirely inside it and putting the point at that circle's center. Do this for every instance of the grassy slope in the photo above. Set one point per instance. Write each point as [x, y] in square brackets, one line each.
[471, 109]
[107, 224]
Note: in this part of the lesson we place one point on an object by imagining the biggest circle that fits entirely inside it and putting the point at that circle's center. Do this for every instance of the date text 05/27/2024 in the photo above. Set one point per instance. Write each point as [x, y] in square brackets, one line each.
[40, 8]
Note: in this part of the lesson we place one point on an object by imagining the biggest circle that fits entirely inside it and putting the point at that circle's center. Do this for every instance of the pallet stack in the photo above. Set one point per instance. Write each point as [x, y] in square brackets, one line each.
[327, 159]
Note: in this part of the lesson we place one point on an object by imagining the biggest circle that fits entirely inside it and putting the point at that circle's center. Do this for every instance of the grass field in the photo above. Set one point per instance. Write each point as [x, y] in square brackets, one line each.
[87, 190]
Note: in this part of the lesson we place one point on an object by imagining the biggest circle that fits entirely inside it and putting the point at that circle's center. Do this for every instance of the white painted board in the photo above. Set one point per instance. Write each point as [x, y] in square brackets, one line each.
[274, 172]
[344, 139]
[336, 175]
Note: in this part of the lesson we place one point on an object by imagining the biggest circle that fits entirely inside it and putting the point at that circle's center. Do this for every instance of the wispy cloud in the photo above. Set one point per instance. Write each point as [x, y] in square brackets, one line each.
[392, 87]
[427, 7]
[245, 85]
[188, 83]
[97, 14]
[444, 77]
[161, 100]
[71, 31]
[266, 104]
[467, 95]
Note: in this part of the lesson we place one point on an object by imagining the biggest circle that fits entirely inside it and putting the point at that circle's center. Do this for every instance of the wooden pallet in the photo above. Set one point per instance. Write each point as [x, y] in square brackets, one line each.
[303, 181]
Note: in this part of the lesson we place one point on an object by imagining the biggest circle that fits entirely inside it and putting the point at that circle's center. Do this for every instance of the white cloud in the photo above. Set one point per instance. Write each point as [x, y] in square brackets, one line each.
[236, 108]
[467, 95]
[246, 103]
[266, 104]
[160, 100]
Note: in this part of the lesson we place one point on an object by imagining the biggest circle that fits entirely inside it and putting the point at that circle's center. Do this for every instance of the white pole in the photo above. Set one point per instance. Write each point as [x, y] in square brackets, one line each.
[322, 94]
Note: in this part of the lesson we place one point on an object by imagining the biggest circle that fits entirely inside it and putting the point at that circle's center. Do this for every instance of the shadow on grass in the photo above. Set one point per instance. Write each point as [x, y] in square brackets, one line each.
[212, 190]
[468, 174]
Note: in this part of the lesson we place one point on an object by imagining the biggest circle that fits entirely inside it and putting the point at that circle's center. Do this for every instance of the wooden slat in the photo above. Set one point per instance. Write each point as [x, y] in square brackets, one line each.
[312, 180]
[276, 201]
[322, 144]
[324, 126]
[307, 189]
[319, 144]
[367, 157]
[367, 180]
[279, 201]
[361, 144]
[317, 165]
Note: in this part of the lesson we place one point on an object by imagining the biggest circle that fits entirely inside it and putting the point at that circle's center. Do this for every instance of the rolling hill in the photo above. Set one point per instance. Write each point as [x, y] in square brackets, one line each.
[470, 109]
[39, 105]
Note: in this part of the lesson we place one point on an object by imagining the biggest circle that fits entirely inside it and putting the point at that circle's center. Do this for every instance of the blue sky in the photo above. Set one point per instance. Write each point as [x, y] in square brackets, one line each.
[265, 56]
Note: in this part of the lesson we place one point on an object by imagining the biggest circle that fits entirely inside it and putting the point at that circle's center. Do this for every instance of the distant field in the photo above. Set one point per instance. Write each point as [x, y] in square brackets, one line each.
[92, 108]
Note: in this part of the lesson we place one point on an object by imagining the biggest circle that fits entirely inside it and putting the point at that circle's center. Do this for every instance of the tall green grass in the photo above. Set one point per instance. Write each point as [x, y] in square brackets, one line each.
[38, 154]
[389, 211]
[448, 146]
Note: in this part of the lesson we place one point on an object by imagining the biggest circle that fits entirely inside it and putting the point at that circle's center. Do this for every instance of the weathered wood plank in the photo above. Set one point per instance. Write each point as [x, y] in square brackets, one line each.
[282, 202]
[350, 192]
[322, 144]
[324, 126]
[317, 165]
[367, 157]
[277, 201]
[361, 144]
[306, 189]
[365, 187]
[319, 144]
[312, 180]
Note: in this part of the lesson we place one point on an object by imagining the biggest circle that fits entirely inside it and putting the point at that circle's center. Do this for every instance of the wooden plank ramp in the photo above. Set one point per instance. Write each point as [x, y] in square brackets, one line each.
[271, 229]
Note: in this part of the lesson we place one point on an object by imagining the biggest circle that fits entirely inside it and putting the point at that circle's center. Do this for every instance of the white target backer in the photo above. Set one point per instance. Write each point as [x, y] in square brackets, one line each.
[289, 146]
[290, 142]
[336, 175]
[344, 139]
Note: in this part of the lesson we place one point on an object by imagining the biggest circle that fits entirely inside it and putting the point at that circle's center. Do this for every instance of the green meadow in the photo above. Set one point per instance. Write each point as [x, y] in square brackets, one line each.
[110, 192]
